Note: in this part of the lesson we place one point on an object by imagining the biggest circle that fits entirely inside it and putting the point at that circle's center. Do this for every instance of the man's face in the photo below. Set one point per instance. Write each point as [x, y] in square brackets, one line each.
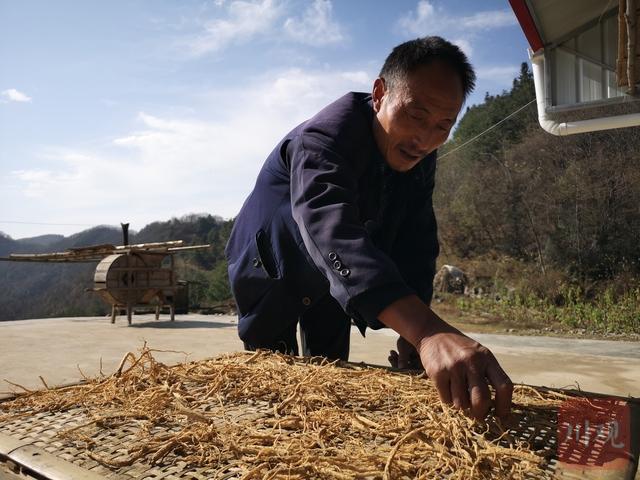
[415, 116]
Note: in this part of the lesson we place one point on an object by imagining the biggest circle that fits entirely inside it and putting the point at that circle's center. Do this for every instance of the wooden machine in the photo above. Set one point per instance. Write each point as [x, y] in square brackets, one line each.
[127, 276]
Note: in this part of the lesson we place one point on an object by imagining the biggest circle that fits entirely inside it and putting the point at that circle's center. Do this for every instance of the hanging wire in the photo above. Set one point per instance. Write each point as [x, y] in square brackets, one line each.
[440, 157]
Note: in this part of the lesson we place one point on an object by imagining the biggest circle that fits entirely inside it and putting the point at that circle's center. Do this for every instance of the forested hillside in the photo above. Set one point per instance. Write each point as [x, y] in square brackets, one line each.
[549, 225]
[568, 203]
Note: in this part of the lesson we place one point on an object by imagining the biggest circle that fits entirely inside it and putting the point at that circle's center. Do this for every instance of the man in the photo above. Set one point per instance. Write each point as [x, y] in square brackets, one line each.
[340, 226]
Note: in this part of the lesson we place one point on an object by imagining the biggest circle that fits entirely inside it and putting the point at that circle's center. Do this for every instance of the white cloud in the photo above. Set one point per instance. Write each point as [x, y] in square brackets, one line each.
[38, 181]
[312, 89]
[359, 78]
[425, 12]
[427, 19]
[13, 95]
[169, 166]
[244, 20]
[316, 26]
[239, 21]
[488, 20]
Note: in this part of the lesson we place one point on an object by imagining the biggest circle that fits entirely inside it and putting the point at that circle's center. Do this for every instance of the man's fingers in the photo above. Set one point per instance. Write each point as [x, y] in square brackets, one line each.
[459, 392]
[462, 371]
[504, 388]
[443, 385]
[480, 396]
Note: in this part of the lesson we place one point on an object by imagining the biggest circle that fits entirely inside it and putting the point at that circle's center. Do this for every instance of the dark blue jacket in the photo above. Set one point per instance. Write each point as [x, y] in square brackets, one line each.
[328, 215]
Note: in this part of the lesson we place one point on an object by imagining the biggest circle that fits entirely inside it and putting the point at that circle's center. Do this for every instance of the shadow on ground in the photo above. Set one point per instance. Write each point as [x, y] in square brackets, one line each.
[178, 324]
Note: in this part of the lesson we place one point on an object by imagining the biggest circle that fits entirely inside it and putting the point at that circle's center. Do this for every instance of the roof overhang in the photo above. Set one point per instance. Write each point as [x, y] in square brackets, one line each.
[548, 22]
[576, 93]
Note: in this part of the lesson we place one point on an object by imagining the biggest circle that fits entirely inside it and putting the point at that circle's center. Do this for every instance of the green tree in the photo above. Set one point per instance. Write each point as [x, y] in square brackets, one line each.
[219, 288]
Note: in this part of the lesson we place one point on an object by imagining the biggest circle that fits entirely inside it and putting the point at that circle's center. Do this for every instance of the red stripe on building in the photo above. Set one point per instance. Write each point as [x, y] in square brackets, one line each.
[526, 22]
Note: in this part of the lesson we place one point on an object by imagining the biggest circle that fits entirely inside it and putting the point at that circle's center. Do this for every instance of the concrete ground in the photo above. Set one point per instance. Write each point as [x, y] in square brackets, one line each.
[58, 349]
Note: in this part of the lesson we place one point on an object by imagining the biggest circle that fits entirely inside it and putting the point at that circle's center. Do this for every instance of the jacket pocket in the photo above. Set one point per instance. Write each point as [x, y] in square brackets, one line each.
[266, 256]
[253, 273]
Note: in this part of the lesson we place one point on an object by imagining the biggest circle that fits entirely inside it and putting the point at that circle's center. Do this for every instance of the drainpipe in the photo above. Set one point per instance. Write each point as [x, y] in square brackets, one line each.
[570, 128]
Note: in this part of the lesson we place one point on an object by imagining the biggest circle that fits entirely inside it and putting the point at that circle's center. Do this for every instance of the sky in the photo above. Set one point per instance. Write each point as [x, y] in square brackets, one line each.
[136, 111]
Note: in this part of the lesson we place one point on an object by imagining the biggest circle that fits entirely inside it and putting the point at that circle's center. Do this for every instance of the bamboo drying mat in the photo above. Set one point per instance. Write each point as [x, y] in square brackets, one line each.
[267, 415]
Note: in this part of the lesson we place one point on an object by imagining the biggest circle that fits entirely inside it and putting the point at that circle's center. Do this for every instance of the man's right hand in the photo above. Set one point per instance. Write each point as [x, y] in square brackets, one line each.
[461, 370]
[460, 367]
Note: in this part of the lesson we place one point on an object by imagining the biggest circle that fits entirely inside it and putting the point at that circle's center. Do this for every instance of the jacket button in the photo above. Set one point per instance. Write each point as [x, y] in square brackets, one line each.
[333, 256]
[337, 264]
[306, 301]
[257, 263]
[345, 272]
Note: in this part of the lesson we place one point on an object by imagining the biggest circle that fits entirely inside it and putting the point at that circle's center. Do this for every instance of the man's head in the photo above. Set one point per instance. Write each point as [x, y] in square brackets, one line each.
[421, 88]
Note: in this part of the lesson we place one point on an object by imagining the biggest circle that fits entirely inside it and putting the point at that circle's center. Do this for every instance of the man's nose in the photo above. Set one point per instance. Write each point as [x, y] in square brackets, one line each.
[423, 140]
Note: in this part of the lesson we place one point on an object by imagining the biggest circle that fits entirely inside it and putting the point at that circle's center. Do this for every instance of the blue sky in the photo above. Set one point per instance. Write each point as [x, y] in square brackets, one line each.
[143, 110]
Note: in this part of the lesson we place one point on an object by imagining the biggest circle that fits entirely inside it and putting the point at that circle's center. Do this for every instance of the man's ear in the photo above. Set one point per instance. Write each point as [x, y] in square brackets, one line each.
[379, 91]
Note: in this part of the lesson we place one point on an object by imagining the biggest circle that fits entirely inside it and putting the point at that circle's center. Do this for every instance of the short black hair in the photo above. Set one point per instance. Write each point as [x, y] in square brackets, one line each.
[408, 56]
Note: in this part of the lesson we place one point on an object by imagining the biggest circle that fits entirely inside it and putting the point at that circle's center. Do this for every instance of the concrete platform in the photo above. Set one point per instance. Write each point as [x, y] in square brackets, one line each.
[58, 349]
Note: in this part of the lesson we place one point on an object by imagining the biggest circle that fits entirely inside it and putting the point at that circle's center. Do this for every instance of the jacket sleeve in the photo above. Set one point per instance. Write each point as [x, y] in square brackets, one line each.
[324, 206]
